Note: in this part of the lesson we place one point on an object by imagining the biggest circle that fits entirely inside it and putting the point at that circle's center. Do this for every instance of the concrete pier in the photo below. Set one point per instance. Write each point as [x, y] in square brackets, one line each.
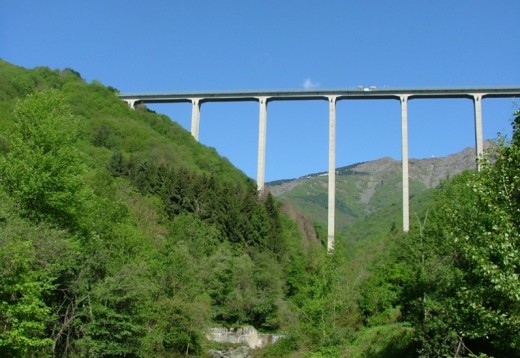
[404, 158]
[479, 138]
[195, 117]
[262, 131]
[332, 173]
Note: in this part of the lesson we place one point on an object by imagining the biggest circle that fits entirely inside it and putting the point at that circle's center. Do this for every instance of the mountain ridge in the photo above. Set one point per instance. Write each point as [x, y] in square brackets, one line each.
[365, 188]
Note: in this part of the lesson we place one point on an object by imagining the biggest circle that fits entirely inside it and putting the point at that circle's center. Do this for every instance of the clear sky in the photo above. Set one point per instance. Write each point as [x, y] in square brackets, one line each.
[174, 45]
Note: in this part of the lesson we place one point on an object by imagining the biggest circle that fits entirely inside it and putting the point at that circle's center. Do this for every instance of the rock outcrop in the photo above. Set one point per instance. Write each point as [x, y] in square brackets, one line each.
[246, 335]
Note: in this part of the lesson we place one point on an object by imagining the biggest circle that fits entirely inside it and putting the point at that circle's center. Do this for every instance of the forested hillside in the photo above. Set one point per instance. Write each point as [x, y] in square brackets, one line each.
[454, 278]
[121, 236]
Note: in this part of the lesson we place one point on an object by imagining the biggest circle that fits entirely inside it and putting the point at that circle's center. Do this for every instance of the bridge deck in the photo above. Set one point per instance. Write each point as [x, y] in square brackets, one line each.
[340, 94]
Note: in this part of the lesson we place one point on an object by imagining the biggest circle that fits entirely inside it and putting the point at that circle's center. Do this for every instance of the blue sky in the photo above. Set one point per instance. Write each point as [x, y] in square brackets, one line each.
[158, 46]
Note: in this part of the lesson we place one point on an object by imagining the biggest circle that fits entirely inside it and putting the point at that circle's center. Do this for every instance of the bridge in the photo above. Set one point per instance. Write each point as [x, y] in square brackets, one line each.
[333, 96]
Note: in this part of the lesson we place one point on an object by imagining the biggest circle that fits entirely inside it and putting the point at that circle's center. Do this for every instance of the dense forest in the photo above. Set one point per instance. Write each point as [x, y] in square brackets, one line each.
[121, 236]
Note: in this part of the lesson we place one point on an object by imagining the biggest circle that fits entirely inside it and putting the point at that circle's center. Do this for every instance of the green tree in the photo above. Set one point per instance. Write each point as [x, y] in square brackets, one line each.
[326, 299]
[34, 260]
[116, 320]
[24, 316]
[42, 169]
[464, 295]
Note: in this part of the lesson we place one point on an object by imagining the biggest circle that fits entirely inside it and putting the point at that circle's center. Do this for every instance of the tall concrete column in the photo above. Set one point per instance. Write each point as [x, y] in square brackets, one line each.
[404, 144]
[479, 141]
[195, 117]
[332, 173]
[262, 129]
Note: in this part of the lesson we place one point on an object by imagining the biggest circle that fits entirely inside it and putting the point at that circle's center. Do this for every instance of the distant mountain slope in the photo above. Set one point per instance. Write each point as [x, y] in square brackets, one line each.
[366, 188]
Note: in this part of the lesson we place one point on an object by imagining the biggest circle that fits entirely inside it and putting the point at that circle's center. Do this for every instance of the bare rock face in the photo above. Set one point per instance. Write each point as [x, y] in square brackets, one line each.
[246, 335]
[246, 338]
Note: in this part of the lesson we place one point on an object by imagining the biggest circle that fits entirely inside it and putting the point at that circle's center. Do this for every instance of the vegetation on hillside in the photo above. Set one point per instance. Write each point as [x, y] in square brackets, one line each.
[454, 278]
[365, 189]
[121, 236]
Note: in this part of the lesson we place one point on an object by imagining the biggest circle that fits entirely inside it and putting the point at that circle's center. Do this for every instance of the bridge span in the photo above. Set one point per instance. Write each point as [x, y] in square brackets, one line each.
[476, 95]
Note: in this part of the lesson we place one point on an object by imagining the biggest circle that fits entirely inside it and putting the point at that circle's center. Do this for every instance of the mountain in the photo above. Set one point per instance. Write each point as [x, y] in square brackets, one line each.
[363, 189]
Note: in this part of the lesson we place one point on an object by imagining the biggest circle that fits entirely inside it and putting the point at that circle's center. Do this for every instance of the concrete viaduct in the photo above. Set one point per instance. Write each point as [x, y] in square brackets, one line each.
[332, 97]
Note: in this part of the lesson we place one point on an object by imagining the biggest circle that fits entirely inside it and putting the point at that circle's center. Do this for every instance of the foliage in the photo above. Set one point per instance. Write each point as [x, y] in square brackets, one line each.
[386, 341]
[325, 300]
[282, 348]
[460, 287]
[119, 234]
[24, 316]
[42, 167]
[35, 261]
